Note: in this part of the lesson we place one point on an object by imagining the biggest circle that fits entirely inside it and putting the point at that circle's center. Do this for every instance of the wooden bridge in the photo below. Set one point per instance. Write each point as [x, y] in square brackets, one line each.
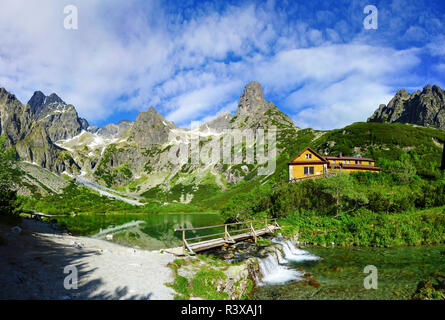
[233, 232]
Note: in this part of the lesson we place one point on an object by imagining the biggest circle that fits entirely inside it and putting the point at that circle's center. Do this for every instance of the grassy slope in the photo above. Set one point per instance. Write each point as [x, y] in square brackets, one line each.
[380, 141]
[376, 140]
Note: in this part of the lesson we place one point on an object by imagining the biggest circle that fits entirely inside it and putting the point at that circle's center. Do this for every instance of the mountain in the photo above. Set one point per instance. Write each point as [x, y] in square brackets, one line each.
[112, 130]
[255, 112]
[15, 118]
[59, 119]
[150, 128]
[33, 129]
[134, 157]
[425, 108]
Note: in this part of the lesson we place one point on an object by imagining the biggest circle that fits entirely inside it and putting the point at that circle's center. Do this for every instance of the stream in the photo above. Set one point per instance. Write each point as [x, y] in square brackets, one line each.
[338, 272]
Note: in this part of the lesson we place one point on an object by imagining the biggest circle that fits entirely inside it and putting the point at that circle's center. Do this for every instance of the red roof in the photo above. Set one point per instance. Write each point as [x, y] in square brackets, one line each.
[354, 166]
[349, 158]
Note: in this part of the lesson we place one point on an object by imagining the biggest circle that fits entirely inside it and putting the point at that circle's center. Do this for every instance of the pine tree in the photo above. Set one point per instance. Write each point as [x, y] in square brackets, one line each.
[10, 175]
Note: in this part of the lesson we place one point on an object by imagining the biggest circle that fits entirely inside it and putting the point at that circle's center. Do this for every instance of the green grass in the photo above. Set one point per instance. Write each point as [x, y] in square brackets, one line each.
[365, 228]
[203, 283]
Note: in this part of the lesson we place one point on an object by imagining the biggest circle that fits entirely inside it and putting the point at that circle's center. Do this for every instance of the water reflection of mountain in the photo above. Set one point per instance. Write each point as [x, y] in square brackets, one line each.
[157, 231]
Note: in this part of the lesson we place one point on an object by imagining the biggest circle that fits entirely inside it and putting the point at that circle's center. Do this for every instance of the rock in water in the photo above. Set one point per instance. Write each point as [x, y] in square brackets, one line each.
[16, 230]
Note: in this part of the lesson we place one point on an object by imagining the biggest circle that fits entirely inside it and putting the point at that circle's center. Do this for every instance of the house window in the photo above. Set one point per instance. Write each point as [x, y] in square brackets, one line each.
[333, 161]
[356, 162]
[360, 162]
[308, 170]
[308, 156]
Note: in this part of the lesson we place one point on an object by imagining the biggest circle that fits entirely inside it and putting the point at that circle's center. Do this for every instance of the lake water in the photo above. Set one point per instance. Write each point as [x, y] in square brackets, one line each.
[339, 273]
[147, 231]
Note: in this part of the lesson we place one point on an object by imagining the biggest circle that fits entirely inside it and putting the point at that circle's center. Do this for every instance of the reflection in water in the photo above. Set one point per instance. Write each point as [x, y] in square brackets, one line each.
[148, 231]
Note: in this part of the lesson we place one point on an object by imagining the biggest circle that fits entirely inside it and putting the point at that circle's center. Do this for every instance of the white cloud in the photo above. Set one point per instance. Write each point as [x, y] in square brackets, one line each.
[128, 55]
[339, 104]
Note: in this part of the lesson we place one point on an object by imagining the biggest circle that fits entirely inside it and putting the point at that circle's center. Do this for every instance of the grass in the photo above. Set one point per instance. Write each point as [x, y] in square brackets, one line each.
[365, 228]
[203, 284]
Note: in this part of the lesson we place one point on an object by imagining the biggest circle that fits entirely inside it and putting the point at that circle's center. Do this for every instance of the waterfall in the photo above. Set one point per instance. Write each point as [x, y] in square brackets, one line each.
[294, 254]
[273, 268]
[274, 273]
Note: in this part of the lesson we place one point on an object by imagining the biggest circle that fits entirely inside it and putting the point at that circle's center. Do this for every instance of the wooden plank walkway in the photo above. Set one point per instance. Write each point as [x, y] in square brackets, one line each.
[263, 227]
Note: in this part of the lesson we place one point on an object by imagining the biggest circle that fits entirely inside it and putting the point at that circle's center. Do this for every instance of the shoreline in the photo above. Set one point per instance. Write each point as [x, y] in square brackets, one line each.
[33, 263]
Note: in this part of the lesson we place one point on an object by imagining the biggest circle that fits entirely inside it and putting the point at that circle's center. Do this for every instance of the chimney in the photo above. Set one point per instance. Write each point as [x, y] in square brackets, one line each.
[443, 157]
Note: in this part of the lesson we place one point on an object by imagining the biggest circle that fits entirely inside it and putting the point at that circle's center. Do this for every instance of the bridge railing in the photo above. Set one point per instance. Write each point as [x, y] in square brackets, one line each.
[230, 229]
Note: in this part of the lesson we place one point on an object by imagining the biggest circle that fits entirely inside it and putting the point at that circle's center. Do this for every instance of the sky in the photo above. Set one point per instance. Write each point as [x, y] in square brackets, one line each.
[191, 59]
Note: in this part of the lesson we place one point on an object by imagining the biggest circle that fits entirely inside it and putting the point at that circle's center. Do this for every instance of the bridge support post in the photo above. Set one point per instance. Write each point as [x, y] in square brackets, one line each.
[253, 231]
[183, 241]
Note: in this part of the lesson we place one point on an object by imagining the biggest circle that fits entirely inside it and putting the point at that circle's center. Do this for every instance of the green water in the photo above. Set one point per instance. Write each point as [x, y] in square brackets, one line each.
[339, 275]
[155, 231]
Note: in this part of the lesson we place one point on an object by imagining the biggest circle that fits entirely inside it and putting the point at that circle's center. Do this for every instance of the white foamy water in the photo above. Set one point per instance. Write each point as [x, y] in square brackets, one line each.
[273, 268]
[274, 273]
[294, 254]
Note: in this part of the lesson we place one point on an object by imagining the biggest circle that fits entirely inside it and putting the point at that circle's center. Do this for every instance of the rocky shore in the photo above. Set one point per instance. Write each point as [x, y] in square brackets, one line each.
[37, 263]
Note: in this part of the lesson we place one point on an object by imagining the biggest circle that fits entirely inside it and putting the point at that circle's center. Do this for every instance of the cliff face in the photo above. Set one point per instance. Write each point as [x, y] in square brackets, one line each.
[15, 118]
[425, 108]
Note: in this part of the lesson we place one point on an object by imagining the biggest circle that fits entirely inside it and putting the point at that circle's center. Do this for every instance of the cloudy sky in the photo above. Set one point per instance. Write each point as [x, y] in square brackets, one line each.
[192, 59]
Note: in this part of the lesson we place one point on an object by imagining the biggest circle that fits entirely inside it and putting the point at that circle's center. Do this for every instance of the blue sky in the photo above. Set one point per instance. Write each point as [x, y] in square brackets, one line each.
[192, 59]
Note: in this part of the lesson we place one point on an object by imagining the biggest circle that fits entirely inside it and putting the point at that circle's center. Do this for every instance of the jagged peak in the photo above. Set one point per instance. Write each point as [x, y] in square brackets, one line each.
[153, 115]
[253, 90]
[423, 107]
[54, 98]
[252, 100]
[9, 95]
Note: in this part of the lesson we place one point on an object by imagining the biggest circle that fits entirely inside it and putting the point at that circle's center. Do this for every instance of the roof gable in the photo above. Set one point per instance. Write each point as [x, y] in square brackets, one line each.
[320, 158]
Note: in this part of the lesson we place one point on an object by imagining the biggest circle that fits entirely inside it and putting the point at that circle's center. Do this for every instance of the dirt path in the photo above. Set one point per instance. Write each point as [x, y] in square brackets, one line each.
[32, 267]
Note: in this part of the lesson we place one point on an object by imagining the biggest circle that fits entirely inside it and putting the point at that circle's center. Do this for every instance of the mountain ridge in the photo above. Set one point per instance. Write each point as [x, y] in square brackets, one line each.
[425, 108]
[133, 156]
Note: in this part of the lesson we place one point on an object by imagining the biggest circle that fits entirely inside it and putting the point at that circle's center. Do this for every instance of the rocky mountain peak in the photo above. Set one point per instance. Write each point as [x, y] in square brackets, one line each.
[15, 118]
[54, 98]
[150, 128]
[60, 120]
[425, 108]
[255, 112]
[37, 101]
[252, 99]
[7, 97]
[41, 104]
[114, 130]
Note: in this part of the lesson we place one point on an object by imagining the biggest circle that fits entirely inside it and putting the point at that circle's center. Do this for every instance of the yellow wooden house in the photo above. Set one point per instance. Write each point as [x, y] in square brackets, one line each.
[309, 164]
